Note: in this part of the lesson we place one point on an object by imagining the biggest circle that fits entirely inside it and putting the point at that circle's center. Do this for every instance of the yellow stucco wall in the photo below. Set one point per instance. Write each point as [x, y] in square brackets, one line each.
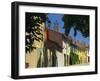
[82, 56]
[31, 58]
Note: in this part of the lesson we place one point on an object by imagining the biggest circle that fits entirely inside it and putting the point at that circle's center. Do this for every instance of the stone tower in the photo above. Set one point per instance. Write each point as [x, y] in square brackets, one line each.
[56, 27]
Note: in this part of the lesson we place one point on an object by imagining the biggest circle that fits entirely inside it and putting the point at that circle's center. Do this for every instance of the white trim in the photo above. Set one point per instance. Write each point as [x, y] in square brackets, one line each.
[70, 69]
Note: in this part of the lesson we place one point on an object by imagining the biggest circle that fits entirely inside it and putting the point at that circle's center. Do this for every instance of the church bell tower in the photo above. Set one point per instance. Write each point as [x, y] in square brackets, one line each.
[56, 27]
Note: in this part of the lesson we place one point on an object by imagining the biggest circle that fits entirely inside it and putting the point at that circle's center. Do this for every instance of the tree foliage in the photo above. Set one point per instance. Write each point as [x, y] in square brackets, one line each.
[33, 29]
[74, 59]
[79, 22]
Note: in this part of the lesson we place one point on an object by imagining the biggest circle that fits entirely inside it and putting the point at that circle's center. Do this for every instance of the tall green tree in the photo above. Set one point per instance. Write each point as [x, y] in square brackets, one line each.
[74, 59]
[33, 29]
[79, 22]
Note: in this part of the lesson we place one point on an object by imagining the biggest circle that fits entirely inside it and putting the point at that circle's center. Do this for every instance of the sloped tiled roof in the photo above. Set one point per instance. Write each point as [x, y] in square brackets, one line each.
[58, 37]
[80, 45]
[55, 37]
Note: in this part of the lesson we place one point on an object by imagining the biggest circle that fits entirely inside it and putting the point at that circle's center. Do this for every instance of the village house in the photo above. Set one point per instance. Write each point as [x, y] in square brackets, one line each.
[35, 58]
[56, 50]
[80, 49]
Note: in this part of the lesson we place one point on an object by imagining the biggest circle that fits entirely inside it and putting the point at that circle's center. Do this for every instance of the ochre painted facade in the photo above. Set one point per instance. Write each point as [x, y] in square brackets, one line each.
[32, 58]
[83, 56]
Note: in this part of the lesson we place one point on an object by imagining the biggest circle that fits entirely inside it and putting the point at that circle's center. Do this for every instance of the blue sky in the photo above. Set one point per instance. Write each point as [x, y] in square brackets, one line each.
[58, 17]
[78, 36]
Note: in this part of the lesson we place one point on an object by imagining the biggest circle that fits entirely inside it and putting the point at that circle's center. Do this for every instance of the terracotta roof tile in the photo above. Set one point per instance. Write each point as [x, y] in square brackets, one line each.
[55, 37]
[58, 37]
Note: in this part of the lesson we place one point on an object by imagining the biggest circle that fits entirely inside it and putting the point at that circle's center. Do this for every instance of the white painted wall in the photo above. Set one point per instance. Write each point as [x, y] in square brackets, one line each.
[5, 40]
[60, 59]
[64, 47]
[68, 49]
